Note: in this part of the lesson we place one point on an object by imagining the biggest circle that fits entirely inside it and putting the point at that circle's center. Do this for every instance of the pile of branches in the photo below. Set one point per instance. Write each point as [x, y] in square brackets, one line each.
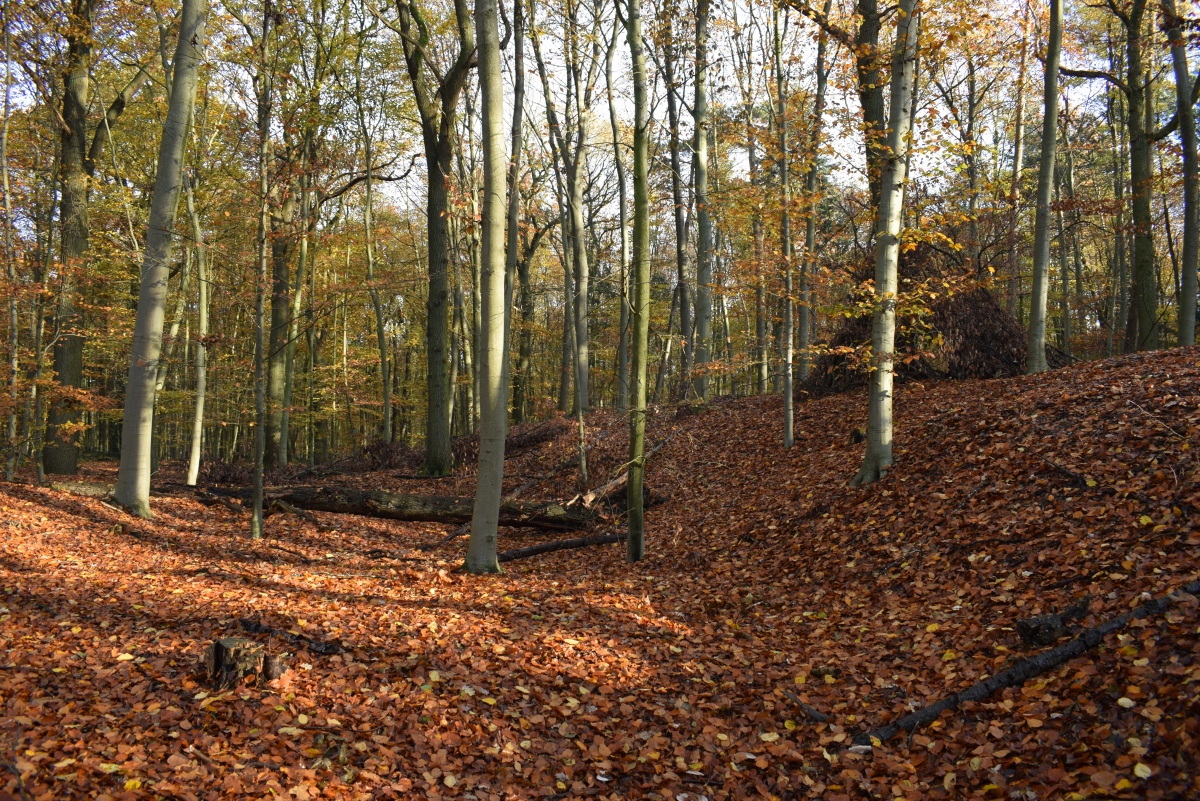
[520, 439]
[964, 334]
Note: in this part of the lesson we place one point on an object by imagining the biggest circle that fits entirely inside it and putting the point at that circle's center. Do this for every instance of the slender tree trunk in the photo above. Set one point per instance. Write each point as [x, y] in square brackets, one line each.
[481, 553]
[878, 457]
[1014, 191]
[704, 241]
[263, 89]
[133, 477]
[1186, 332]
[808, 266]
[1064, 271]
[14, 322]
[1143, 329]
[635, 544]
[785, 240]
[623, 223]
[197, 445]
[1035, 350]
[677, 200]
[512, 255]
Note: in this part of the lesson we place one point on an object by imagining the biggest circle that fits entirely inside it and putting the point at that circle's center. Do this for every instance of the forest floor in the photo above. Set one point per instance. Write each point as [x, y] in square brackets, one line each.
[769, 587]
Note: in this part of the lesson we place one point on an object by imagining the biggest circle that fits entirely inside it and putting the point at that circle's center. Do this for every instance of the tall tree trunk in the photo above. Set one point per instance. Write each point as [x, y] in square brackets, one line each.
[1143, 329]
[193, 473]
[1014, 191]
[481, 553]
[61, 453]
[635, 544]
[808, 266]
[677, 200]
[623, 223]
[263, 88]
[704, 233]
[512, 255]
[14, 321]
[785, 239]
[1035, 349]
[133, 477]
[1186, 331]
[878, 457]
[282, 231]
[437, 110]
[1064, 271]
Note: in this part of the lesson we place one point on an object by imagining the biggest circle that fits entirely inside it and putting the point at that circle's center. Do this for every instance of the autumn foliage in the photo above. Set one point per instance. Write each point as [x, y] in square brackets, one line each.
[772, 596]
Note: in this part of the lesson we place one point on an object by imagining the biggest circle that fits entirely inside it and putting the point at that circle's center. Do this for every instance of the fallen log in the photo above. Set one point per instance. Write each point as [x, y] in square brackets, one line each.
[427, 508]
[1024, 670]
[559, 545]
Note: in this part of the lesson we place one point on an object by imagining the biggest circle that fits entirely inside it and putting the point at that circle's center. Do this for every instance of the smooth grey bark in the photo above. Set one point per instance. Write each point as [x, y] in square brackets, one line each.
[14, 322]
[808, 265]
[704, 229]
[197, 445]
[635, 544]
[1035, 346]
[878, 456]
[1013, 284]
[172, 335]
[1185, 113]
[785, 241]
[623, 223]
[133, 476]
[493, 423]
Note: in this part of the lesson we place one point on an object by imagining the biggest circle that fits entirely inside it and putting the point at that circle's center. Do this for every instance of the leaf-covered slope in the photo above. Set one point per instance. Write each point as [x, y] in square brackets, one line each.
[773, 595]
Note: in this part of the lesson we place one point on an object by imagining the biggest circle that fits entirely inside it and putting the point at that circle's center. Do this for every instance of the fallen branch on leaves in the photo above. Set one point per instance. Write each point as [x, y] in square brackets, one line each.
[560, 545]
[1024, 670]
[426, 508]
[512, 496]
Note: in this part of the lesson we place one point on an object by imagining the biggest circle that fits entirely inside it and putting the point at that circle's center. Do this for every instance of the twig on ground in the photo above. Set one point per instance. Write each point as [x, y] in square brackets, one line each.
[1025, 669]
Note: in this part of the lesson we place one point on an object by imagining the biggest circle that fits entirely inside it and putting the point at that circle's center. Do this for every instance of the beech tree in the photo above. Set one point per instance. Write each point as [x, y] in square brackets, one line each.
[878, 457]
[1035, 354]
[133, 478]
[481, 554]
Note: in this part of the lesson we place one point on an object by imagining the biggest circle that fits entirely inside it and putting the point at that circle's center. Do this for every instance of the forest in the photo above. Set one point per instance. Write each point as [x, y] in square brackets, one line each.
[600, 399]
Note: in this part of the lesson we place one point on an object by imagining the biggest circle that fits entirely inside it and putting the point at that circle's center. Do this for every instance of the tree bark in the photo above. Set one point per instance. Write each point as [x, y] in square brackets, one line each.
[1173, 23]
[202, 339]
[1143, 329]
[636, 543]
[1014, 191]
[133, 477]
[878, 457]
[1035, 348]
[493, 402]
[704, 232]
[785, 241]
[808, 266]
[437, 108]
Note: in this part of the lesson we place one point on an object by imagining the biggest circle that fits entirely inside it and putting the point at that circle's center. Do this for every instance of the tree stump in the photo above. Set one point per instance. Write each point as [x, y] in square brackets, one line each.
[231, 660]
